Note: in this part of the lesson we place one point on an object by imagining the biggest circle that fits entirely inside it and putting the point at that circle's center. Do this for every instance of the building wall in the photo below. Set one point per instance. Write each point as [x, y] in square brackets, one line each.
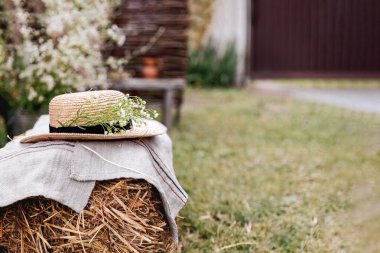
[229, 25]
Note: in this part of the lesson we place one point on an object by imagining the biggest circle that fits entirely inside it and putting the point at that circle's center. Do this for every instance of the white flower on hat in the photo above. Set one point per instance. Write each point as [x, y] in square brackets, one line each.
[123, 123]
[121, 113]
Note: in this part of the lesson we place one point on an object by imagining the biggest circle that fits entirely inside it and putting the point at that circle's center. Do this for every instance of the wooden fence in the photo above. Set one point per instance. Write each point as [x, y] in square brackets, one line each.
[314, 38]
[147, 20]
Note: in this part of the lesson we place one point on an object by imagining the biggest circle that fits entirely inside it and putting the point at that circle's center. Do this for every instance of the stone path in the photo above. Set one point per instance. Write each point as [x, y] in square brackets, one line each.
[364, 100]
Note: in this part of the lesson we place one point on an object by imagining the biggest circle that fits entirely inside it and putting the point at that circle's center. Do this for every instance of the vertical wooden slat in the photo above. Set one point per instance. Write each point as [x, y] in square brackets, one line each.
[313, 44]
[321, 50]
[290, 32]
[327, 38]
[282, 43]
[342, 34]
[375, 36]
[334, 28]
[367, 42]
[305, 36]
[355, 36]
[293, 13]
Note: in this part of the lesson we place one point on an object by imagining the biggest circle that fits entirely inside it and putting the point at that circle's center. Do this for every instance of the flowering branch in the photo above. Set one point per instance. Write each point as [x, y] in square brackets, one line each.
[56, 50]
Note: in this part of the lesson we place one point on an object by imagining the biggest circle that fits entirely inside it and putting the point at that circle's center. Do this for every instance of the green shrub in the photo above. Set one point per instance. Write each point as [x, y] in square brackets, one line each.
[3, 135]
[207, 69]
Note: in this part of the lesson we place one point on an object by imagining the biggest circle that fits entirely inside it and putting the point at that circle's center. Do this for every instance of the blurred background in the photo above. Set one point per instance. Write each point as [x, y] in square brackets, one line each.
[273, 106]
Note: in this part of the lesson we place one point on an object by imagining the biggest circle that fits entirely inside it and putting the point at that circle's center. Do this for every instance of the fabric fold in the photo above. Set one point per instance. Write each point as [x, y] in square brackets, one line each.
[41, 169]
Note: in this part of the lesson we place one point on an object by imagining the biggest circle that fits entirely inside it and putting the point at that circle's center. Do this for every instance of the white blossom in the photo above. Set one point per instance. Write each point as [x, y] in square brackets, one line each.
[49, 80]
[121, 113]
[123, 123]
[21, 16]
[116, 34]
[32, 94]
[55, 27]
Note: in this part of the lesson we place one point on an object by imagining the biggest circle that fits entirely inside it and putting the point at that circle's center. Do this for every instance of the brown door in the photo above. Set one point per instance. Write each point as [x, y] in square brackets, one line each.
[315, 38]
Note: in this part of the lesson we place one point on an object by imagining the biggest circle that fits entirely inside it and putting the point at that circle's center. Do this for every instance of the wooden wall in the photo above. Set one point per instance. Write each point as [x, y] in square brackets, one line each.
[142, 19]
[315, 38]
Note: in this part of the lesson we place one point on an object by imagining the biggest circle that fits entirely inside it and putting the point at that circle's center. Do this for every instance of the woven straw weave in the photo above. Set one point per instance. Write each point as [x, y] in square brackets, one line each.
[64, 107]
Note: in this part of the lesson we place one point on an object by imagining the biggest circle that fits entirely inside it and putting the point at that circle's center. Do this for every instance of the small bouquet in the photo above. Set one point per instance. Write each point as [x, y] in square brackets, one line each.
[115, 119]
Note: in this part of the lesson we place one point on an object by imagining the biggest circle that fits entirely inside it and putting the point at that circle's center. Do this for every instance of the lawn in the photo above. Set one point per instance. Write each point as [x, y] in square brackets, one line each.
[266, 174]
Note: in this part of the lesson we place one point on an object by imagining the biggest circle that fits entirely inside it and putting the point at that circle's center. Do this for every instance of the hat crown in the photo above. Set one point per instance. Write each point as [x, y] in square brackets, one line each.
[65, 107]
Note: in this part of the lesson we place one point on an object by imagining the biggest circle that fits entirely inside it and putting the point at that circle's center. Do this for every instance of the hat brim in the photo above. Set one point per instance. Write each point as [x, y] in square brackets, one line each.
[152, 128]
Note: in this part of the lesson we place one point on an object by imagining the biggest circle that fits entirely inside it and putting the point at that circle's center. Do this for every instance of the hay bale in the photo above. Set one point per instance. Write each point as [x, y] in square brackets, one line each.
[121, 216]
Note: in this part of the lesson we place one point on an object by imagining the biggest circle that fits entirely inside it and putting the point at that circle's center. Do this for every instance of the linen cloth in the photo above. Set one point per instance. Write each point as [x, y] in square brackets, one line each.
[67, 171]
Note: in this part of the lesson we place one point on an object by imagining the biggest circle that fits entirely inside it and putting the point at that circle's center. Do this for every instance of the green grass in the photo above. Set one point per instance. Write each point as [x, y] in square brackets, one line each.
[272, 175]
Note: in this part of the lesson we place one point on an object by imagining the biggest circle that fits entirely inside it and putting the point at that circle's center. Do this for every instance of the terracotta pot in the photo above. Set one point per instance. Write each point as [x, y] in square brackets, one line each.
[150, 61]
[150, 70]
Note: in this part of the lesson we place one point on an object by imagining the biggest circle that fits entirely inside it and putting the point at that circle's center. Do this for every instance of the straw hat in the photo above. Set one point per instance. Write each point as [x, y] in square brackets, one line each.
[65, 107]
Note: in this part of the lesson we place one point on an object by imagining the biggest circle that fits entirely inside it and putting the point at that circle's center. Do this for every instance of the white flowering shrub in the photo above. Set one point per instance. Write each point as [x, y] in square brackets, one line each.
[57, 50]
